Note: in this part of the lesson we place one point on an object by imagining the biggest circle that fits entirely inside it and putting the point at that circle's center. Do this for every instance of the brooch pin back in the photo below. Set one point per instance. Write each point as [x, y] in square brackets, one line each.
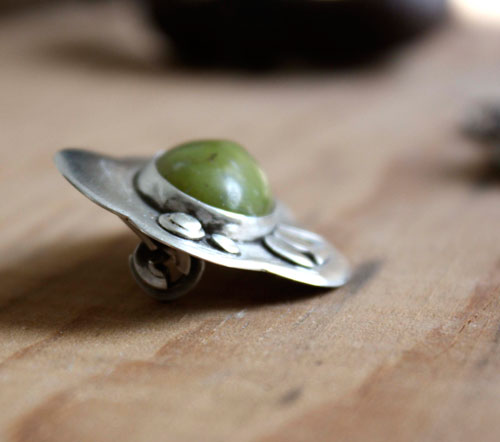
[201, 201]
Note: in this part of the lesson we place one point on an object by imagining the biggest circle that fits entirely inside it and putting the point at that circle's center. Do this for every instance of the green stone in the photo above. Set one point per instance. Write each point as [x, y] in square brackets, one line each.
[219, 173]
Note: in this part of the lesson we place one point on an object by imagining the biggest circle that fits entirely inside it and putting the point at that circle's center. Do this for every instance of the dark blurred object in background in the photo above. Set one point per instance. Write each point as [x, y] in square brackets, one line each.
[14, 5]
[264, 31]
[482, 124]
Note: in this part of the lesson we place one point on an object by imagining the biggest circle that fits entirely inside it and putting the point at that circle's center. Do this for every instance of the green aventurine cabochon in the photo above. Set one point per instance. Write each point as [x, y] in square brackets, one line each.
[219, 173]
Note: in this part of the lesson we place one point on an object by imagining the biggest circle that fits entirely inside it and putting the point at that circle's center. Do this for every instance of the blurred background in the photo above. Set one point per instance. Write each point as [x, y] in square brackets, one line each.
[278, 76]
[159, 37]
[128, 76]
[261, 33]
[354, 108]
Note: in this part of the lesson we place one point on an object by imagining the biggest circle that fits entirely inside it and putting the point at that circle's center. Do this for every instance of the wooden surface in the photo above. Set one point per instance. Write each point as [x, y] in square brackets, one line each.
[371, 158]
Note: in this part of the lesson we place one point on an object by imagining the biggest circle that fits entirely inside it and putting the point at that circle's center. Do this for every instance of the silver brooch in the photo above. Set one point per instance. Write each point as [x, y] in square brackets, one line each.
[179, 231]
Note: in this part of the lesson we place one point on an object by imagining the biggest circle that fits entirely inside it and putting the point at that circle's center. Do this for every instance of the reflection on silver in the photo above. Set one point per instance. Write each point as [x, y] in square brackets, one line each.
[287, 251]
[224, 243]
[145, 269]
[165, 274]
[304, 241]
[269, 244]
[182, 224]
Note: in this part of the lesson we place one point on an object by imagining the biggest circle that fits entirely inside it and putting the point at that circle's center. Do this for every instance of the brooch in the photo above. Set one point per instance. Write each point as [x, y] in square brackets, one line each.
[201, 201]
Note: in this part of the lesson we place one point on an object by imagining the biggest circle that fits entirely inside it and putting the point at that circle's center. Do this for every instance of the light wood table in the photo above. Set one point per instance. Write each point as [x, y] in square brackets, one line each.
[371, 158]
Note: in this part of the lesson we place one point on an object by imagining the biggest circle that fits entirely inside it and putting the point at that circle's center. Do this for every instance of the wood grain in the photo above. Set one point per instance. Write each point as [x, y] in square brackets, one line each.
[372, 158]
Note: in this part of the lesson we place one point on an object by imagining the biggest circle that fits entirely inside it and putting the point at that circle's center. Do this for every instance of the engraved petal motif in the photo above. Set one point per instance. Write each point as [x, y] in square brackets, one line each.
[224, 243]
[182, 224]
[286, 250]
[307, 242]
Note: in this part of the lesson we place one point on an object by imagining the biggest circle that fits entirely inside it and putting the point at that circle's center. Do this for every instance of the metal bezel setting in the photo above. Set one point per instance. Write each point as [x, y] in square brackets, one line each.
[166, 197]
